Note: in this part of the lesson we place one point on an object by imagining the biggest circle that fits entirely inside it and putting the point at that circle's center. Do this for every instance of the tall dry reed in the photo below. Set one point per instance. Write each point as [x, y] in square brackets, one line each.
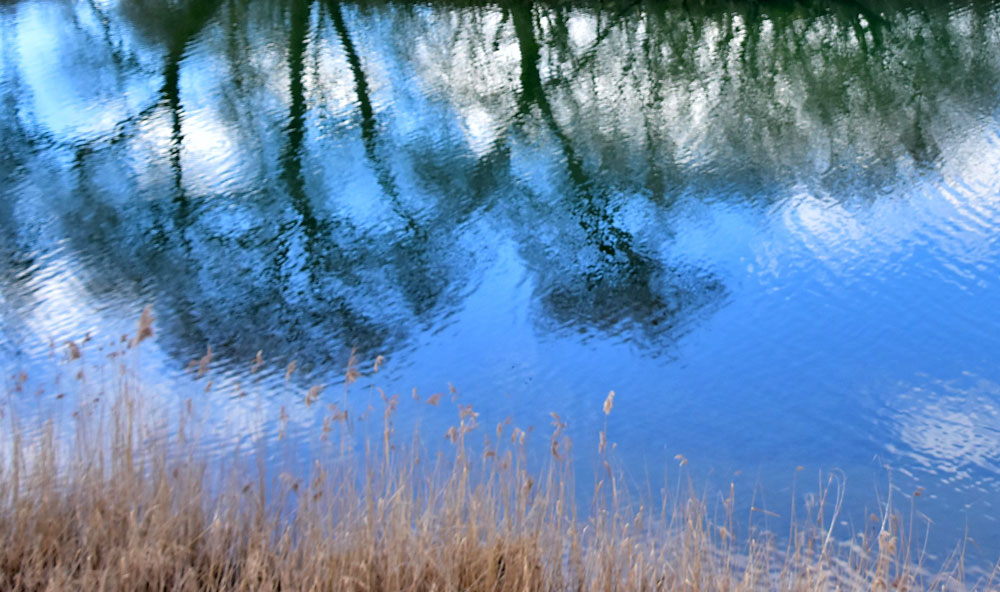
[128, 503]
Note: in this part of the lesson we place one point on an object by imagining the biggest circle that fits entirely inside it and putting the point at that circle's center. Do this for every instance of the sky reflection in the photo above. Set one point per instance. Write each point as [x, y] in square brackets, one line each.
[772, 229]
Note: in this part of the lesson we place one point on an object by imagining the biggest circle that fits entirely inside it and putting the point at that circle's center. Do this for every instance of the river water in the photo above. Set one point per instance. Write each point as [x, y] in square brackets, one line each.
[772, 229]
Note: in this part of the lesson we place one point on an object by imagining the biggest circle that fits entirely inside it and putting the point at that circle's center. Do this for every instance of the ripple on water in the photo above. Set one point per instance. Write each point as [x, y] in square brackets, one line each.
[742, 239]
[948, 427]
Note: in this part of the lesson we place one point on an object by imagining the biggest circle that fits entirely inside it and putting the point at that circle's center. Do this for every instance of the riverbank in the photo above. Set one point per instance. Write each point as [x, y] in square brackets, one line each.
[128, 501]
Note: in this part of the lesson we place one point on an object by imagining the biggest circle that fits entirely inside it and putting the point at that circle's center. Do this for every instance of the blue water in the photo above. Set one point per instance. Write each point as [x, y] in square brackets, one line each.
[772, 229]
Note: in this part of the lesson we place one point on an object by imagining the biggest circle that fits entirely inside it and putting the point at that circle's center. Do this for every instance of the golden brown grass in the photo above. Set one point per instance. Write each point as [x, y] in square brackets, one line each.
[128, 503]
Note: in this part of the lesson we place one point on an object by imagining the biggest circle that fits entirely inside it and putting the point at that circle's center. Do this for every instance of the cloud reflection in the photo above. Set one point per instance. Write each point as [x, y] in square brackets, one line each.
[949, 426]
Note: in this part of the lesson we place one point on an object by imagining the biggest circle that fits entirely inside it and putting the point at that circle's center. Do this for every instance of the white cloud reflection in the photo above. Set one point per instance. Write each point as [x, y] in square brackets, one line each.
[948, 426]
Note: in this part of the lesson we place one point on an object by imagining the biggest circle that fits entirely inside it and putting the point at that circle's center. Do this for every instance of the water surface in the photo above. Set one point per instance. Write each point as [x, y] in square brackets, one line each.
[772, 229]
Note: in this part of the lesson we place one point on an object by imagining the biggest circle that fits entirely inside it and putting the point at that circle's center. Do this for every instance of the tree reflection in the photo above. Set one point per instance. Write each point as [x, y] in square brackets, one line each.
[313, 174]
[603, 280]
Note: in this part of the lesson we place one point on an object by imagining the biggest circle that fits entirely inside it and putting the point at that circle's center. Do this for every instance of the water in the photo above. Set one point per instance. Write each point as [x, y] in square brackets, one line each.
[773, 230]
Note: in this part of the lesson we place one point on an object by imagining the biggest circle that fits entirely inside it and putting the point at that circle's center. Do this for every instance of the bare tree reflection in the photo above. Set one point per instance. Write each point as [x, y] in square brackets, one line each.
[602, 281]
[313, 175]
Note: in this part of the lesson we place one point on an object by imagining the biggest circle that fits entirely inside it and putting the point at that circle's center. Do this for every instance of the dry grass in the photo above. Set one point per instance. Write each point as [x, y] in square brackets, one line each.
[132, 504]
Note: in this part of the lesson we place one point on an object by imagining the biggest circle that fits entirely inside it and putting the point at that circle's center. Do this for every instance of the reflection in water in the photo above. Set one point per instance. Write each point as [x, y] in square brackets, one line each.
[592, 271]
[951, 428]
[795, 202]
[307, 170]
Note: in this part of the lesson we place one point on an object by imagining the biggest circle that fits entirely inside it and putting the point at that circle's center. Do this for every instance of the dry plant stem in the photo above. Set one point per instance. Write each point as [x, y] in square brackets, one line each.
[134, 505]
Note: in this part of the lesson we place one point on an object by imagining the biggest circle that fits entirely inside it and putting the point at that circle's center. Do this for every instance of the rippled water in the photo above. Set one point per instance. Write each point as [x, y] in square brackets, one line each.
[773, 230]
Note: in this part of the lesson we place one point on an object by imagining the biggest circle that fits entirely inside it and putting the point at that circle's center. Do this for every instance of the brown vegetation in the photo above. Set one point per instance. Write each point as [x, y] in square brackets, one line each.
[131, 505]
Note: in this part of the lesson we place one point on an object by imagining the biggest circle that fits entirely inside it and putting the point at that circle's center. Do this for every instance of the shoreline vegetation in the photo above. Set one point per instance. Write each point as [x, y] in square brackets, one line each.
[128, 501]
